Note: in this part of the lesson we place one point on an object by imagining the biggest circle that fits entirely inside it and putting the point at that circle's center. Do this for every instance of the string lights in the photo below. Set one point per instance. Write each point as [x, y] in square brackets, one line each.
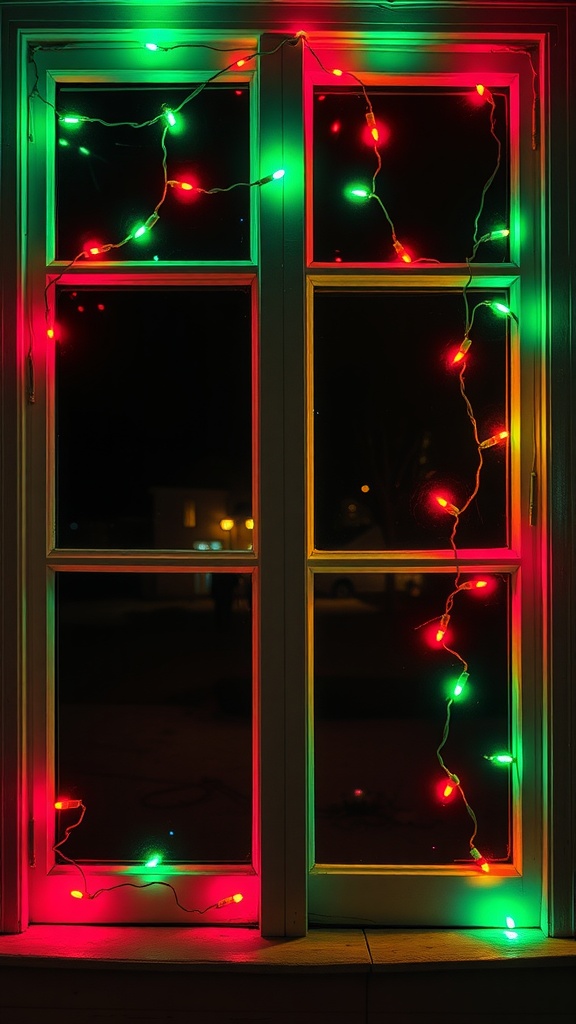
[167, 120]
[65, 804]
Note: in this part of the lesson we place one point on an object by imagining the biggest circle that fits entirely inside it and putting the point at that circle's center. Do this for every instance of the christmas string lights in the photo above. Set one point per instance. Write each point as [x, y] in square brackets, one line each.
[167, 120]
[371, 193]
[65, 804]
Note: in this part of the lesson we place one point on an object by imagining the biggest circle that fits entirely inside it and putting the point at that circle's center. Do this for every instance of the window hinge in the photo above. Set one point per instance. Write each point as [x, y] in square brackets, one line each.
[31, 846]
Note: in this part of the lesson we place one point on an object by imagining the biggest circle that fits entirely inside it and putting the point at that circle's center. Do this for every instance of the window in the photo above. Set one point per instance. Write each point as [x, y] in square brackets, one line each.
[284, 513]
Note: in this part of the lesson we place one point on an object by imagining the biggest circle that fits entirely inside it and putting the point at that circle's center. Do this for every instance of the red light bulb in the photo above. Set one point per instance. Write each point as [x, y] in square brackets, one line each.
[462, 350]
[495, 439]
[371, 122]
[442, 627]
[444, 503]
[401, 251]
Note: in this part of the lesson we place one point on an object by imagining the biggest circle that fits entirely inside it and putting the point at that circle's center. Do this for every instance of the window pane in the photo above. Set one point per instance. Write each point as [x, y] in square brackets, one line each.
[437, 154]
[153, 418]
[110, 179]
[391, 426]
[153, 714]
[380, 703]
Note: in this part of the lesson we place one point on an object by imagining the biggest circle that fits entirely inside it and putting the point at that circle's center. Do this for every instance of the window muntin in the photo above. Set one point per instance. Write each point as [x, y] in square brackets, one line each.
[109, 179]
[153, 416]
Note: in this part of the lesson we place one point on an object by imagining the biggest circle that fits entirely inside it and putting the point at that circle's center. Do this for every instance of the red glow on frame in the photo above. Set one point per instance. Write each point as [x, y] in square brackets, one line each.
[335, 127]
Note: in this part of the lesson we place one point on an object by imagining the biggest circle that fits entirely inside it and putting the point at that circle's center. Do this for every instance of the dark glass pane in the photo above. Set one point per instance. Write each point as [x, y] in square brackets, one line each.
[381, 694]
[437, 154]
[153, 714]
[391, 427]
[153, 418]
[110, 179]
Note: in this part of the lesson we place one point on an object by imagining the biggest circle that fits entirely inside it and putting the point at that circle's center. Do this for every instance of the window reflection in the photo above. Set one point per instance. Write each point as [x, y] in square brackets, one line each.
[110, 178]
[154, 713]
[153, 418]
[380, 697]
[390, 423]
[437, 153]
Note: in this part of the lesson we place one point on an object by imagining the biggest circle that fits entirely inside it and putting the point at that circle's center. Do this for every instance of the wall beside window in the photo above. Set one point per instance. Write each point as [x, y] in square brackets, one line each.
[235, 611]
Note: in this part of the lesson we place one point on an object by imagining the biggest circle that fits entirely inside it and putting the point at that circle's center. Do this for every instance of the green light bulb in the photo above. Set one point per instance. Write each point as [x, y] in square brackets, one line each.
[501, 308]
[460, 684]
[153, 861]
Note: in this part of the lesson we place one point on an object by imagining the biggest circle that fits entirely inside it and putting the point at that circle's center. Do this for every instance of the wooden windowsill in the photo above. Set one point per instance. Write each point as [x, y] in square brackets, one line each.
[243, 949]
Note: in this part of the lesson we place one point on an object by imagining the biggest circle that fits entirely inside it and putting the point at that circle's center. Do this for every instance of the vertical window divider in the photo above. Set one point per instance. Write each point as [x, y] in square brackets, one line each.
[283, 621]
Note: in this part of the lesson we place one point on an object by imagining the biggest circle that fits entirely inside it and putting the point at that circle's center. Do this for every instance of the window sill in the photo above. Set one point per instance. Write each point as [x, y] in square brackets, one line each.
[243, 949]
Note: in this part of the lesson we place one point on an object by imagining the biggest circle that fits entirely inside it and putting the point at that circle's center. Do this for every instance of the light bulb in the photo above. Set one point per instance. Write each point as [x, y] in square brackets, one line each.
[152, 46]
[70, 119]
[185, 186]
[153, 861]
[337, 72]
[275, 176]
[444, 503]
[449, 787]
[499, 307]
[401, 251]
[77, 894]
[465, 345]
[237, 898]
[442, 627]
[495, 439]
[360, 193]
[500, 758]
[143, 228]
[371, 122]
[480, 859]
[170, 116]
[64, 804]
[473, 585]
[499, 233]
[460, 683]
[480, 89]
[226, 524]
